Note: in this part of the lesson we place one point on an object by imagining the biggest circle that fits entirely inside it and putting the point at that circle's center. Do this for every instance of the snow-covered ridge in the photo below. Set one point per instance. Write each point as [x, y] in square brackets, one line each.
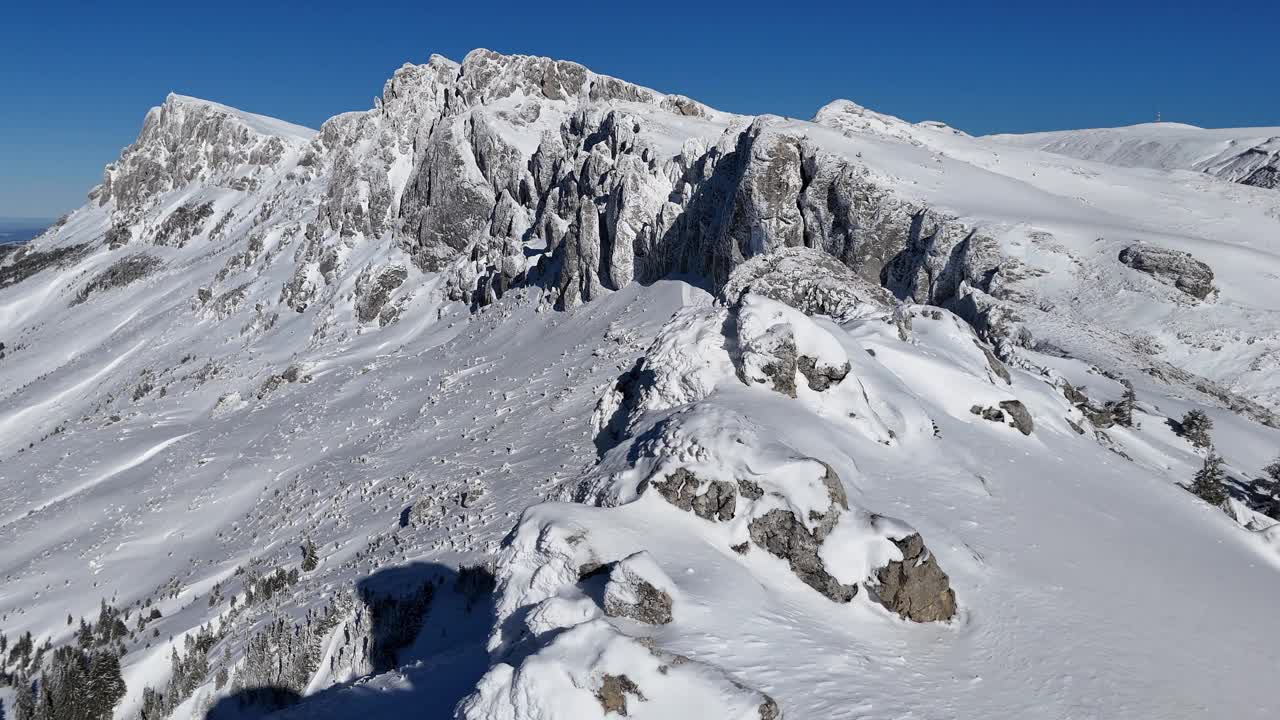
[530, 392]
[1246, 155]
[258, 123]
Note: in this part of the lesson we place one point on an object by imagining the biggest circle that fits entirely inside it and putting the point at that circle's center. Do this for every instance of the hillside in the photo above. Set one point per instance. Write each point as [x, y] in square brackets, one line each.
[1250, 156]
[533, 393]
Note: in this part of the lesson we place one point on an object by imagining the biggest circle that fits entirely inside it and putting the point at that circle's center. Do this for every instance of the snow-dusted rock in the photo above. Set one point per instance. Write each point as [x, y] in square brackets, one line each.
[639, 590]
[776, 341]
[1184, 272]
[811, 281]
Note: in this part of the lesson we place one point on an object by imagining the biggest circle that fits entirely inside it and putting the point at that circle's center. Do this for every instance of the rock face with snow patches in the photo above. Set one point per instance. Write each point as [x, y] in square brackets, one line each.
[1184, 272]
[533, 393]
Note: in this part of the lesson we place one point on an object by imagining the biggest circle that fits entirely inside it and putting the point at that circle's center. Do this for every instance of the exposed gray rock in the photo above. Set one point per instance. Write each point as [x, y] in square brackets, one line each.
[988, 413]
[783, 535]
[915, 587]
[821, 377]
[835, 488]
[782, 366]
[715, 500]
[629, 595]
[1267, 176]
[810, 281]
[772, 353]
[373, 289]
[1178, 269]
[750, 490]
[994, 363]
[1021, 417]
[1017, 415]
[183, 140]
[292, 374]
[117, 236]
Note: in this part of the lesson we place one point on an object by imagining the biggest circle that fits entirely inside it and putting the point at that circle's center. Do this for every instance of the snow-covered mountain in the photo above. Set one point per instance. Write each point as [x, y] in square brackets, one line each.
[532, 393]
[1245, 155]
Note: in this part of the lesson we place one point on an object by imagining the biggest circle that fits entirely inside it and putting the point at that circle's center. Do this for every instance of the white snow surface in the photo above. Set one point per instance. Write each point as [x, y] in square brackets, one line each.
[1160, 145]
[150, 447]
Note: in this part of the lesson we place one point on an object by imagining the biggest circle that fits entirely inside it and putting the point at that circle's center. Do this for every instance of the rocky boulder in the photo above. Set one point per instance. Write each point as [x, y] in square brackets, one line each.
[1171, 267]
[1012, 411]
[373, 290]
[713, 500]
[776, 341]
[638, 590]
[809, 280]
[915, 587]
[1019, 414]
[786, 536]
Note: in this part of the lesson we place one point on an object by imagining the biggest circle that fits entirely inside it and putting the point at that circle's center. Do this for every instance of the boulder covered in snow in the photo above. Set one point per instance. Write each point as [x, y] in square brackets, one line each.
[1171, 267]
[637, 589]
[809, 280]
[776, 341]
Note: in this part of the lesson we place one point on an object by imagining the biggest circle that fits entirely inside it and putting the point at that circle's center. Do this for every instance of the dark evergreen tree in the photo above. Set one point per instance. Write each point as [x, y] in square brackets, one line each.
[1208, 481]
[1196, 427]
[106, 685]
[1272, 477]
[310, 558]
[24, 703]
[1122, 411]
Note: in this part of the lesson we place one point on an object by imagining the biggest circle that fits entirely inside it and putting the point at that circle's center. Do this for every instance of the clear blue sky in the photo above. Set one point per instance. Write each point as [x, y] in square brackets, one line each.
[76, 78]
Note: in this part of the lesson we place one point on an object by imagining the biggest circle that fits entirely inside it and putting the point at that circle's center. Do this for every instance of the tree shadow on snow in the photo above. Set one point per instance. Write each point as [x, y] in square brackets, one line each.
[252, 703]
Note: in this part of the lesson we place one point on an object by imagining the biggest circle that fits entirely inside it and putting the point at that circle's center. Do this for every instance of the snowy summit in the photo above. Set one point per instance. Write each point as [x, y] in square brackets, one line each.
[534, 393]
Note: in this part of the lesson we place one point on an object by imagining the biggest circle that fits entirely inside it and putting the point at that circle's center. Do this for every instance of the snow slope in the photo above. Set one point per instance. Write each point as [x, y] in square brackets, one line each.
[1234, 154]
[524, 349]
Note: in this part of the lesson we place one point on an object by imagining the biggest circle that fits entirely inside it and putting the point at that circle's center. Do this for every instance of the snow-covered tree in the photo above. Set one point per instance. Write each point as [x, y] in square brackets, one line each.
[310, 557]
[1208, 481]
[1272, 477]
[1195, 428]
[1122, 411]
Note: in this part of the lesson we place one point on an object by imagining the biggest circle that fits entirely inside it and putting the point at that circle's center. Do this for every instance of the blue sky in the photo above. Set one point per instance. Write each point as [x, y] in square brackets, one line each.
[76, 78]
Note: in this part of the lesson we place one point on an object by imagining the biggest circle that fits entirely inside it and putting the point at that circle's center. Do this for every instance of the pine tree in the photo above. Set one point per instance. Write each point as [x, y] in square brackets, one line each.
[106, 685]
[1195, 428]
[1122, 412]
[310, 558]
[24, 703]
[1272, 479]
[1208, 481]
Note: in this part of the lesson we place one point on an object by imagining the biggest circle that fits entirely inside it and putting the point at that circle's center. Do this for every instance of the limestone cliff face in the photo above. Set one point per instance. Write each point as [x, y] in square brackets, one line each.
[503, 171]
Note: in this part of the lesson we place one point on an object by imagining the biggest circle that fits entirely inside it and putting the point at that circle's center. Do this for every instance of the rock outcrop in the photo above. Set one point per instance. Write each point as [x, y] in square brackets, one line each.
[1178, 269]
[809, 280]
[713, 500]
[915, 587]
[637, 590]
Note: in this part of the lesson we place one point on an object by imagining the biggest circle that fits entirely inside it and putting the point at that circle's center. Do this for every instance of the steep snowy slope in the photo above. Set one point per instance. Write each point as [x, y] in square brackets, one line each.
[533, 393]
[1244, 155]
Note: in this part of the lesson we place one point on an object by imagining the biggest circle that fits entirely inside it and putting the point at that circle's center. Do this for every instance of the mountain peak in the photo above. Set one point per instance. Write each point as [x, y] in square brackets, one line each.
[261, 124]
